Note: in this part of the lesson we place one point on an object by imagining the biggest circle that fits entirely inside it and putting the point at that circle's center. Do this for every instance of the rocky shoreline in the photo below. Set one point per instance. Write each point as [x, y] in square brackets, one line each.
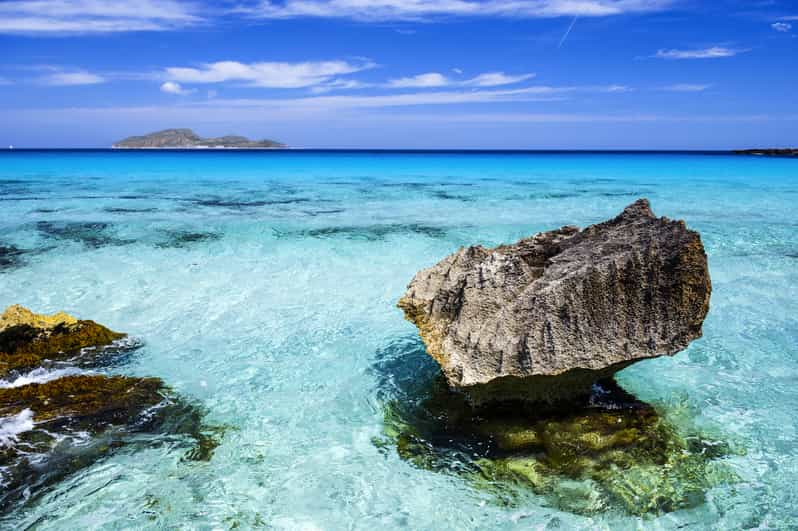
[57, 417]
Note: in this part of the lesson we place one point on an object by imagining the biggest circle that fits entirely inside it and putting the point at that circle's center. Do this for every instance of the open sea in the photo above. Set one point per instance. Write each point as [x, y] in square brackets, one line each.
[263, 286]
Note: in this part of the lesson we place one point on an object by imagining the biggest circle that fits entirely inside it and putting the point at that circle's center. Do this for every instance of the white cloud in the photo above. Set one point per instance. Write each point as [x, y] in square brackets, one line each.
[494, 79]
[430, 79]
[94, 16]
[421, 9]
[268, 74]
[170, 87]
[63, 79]
[703, 53]
[686, 87]
[435, 79]
[783, 27]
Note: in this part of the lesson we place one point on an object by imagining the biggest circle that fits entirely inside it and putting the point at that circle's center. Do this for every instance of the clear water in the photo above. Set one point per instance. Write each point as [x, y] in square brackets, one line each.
[264, 286]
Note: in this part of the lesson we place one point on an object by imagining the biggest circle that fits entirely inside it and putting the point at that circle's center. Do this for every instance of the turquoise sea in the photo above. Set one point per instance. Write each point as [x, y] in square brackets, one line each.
[263, 286]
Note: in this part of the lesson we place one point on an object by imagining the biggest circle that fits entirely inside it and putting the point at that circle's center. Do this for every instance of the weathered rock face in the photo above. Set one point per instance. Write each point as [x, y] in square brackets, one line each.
[546, 317]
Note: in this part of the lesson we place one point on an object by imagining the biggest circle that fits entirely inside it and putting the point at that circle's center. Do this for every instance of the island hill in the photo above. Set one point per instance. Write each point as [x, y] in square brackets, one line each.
[188, 139]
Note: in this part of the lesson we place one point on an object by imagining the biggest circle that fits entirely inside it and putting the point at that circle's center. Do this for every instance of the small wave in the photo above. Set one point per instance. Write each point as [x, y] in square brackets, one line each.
[39, 376]
[11, 427]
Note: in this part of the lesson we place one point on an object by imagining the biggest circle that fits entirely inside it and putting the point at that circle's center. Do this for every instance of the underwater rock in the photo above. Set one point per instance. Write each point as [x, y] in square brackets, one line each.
[609, 452]
[28, 339]
[178, 239]
[91, 234]
[374, 232]
[10, 256]
[545, 318]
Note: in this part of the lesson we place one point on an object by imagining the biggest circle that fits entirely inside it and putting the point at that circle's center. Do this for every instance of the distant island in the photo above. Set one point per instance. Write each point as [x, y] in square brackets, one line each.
[188, 139]
[770, 152]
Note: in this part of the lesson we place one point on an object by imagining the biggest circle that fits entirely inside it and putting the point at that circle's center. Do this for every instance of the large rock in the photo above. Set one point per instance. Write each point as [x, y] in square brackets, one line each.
[545, 318]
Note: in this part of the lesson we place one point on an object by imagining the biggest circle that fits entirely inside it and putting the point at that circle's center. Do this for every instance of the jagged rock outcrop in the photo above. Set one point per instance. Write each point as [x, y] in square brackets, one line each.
[28, 339]
[545, 318]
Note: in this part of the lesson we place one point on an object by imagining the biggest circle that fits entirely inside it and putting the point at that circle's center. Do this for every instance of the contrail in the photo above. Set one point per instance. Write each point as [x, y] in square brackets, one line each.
[567, 32]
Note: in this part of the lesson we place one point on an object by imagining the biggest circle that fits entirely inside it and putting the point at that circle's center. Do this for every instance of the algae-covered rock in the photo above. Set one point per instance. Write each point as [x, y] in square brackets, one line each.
[51, 429]
[83, 402]
[545, 318]
[28, 339]
[609, 452]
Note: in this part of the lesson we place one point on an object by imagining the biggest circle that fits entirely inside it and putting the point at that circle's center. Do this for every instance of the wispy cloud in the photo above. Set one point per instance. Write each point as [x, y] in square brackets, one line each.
[170, 87]
[783, 27]
[447, 97]
[94, 16]
[63, 79]
[686, 87]
[436, 79]
[268, 74]
[702, 53]
[382, 10]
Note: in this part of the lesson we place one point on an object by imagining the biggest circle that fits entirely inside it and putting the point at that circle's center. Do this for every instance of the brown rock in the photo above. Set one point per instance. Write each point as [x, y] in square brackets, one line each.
[548, 316]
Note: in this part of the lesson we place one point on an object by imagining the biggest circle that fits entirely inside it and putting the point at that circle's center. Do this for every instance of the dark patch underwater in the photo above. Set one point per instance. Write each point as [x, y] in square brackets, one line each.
[367, 232]
[91, 234]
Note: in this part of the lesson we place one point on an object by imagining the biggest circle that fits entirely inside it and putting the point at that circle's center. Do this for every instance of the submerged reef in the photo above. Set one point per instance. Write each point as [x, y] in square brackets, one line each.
[605, 452]
[56, 418]
[91, 234]
[547, 317]
[10, 256]
[369, 233]
[177, 239]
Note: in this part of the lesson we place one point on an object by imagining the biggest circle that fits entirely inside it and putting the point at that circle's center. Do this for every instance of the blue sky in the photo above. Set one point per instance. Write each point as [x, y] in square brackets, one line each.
[538, 74]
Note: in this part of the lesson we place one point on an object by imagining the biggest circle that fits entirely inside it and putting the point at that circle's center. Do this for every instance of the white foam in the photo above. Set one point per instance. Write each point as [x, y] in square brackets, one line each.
[39, 376]
[11, 427]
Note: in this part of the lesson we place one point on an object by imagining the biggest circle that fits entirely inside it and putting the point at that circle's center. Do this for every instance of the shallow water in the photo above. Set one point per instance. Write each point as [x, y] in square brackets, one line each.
[264, 285]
